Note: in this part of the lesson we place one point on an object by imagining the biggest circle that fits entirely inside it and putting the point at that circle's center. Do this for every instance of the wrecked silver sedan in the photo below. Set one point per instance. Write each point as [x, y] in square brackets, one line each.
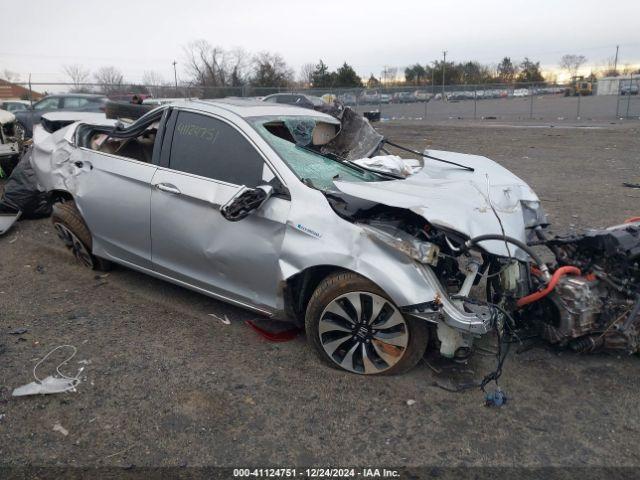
[300, 215]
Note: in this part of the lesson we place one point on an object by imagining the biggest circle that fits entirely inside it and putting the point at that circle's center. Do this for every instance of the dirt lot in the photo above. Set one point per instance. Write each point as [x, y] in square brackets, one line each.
[169, 385]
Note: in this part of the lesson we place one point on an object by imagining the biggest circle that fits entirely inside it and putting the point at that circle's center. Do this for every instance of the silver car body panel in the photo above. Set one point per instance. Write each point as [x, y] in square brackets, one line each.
[177, 233]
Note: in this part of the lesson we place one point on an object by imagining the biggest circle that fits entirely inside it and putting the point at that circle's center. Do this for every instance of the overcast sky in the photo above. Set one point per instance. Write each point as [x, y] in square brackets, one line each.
[134, 36]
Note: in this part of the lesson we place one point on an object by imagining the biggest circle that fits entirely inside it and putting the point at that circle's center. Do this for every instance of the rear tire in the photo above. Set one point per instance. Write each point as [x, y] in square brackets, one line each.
[368, 343]
[73, 231]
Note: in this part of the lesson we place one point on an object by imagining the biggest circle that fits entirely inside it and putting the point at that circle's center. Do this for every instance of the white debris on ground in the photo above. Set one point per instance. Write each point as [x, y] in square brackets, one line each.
[51, 384]
[391, 164]
[59, 428]
[224, 320]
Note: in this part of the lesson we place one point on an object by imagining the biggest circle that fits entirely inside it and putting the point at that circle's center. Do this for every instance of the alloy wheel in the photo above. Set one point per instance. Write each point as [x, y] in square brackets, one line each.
[73, 243]
[363, 332]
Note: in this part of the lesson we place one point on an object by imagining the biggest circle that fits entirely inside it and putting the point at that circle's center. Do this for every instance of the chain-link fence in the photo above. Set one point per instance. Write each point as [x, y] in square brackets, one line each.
[628, 98]
[509, 102]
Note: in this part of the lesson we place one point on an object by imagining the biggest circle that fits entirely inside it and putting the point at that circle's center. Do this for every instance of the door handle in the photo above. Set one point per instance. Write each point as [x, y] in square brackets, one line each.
[167, 187]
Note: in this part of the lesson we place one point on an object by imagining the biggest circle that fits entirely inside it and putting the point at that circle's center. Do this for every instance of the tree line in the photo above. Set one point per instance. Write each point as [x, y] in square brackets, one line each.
[473, 72]
[207, 66]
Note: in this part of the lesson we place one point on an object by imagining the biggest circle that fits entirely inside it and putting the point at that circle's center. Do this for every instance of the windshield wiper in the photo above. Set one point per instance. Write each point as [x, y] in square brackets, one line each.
[471, 169]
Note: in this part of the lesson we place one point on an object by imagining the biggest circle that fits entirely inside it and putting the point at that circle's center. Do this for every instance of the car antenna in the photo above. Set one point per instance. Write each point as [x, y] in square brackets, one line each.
[471, 169]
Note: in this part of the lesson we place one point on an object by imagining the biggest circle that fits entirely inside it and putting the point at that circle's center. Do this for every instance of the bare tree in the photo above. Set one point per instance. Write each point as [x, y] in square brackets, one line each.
[10, 76]
[109, 78]
[306, 74]
[205, 64]
[389, 75]
[78, 76]
[154, 82]
[238, 64]
[572, 63]
[608, 68]
[271, 71]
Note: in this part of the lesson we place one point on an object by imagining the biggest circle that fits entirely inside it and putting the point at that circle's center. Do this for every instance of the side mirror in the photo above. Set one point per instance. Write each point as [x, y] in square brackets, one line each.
[245, 201]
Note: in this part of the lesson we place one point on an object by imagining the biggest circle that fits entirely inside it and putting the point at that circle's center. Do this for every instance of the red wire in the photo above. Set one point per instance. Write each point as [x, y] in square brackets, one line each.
[559, 273]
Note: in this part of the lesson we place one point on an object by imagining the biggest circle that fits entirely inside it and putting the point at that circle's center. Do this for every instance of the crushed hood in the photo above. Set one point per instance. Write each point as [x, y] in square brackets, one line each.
[457, 199]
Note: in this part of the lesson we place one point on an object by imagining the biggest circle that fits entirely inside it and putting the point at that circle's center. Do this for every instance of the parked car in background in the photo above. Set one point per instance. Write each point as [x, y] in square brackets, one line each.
[385, 98]
[370, 96]
[403, 97]
[76, 102]
[628, 88]
[521, 92]
[297, 99]
[422, 95]
[14, 105]
[128, 97]
[347, 99]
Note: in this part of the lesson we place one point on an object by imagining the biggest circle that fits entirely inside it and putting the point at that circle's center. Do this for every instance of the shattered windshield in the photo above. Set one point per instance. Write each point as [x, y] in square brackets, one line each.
[294, 138]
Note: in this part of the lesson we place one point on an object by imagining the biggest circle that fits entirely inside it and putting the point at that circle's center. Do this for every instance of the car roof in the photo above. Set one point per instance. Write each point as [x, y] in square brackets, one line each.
[83, 95]
[247, 108]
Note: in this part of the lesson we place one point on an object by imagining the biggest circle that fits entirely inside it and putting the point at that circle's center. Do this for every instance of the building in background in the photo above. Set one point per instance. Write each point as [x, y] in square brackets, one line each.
[620, 84]
[11, 91]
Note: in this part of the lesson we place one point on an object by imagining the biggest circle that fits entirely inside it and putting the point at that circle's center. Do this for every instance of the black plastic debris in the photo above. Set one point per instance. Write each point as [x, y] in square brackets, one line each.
[373, 116]
[21, 192]
[18, 331]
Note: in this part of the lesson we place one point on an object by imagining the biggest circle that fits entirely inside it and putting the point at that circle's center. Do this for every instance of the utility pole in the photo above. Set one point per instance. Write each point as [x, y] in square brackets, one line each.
[444, 63]
[615, 62]
[433, 81]
[175, 75]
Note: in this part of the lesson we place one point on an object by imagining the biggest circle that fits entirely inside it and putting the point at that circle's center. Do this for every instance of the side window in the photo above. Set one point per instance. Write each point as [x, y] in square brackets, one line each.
[288, 99]
[271, 99]
[75, 102]
[213, 149]
[50, 103]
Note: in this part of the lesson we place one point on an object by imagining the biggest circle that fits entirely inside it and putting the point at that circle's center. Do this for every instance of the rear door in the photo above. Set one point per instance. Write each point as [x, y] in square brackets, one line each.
[113, 193]
[191, 241]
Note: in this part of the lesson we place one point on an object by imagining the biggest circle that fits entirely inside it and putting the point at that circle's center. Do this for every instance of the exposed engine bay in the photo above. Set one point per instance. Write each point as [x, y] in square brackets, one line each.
[588, 299]
[600, 307]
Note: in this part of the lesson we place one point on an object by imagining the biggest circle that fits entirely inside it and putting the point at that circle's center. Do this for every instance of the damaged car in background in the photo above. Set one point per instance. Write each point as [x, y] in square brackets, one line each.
[11, 141]
[309, 217]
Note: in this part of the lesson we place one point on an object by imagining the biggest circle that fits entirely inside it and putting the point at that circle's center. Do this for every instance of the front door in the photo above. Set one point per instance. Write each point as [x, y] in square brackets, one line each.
[191, 241]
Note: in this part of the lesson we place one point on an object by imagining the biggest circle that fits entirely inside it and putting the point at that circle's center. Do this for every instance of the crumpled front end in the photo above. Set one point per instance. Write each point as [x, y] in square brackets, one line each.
[11, 141]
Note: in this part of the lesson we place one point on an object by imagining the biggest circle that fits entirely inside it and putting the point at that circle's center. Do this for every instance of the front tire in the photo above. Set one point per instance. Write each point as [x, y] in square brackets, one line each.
[353, 325]
[73, 231]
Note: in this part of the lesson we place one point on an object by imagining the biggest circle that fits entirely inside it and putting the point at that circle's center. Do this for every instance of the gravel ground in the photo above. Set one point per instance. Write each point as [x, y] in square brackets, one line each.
[166, 384]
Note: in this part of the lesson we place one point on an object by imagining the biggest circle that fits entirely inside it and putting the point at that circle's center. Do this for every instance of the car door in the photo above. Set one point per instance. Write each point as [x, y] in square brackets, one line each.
[113, 193]
[191, 241]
